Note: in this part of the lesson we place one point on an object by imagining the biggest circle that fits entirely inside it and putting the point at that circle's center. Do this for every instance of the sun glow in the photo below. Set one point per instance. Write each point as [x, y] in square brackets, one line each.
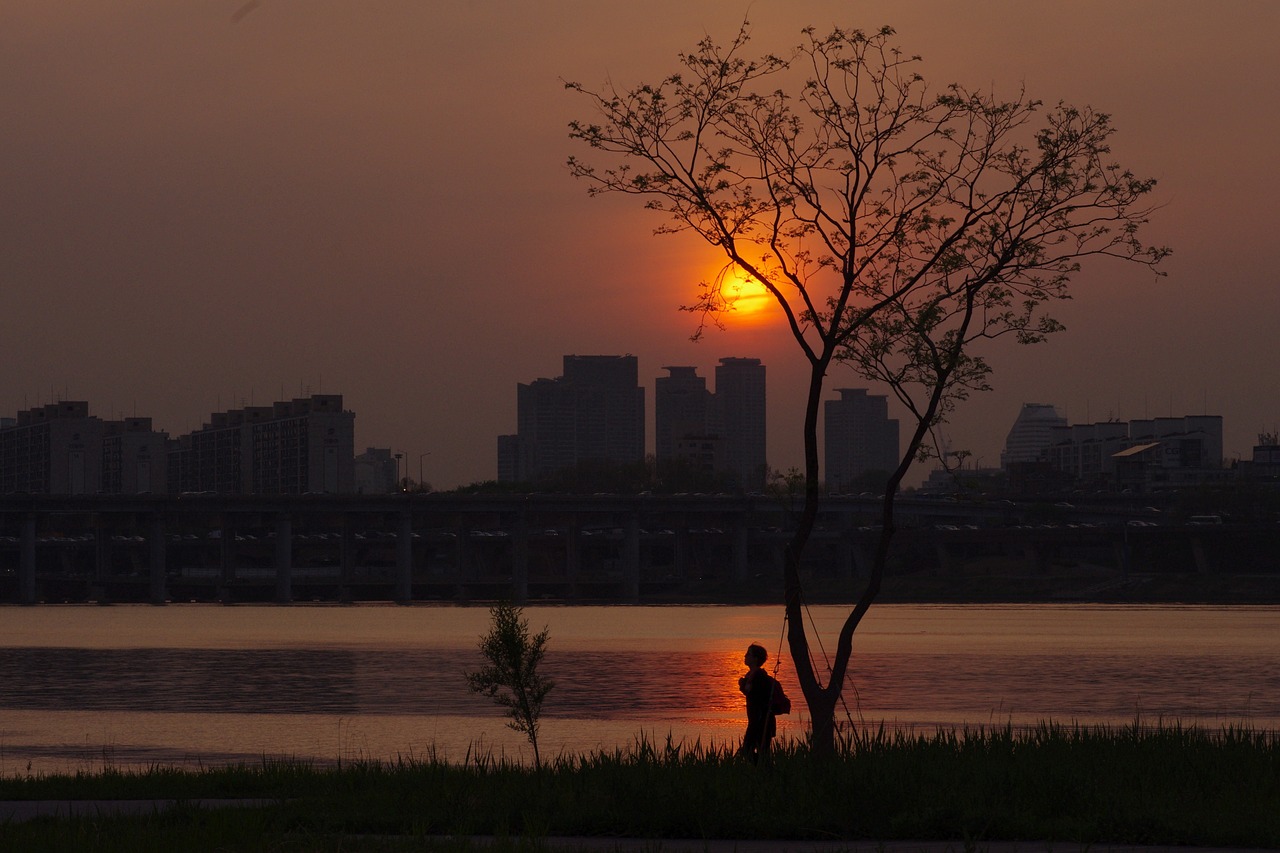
[745, 299]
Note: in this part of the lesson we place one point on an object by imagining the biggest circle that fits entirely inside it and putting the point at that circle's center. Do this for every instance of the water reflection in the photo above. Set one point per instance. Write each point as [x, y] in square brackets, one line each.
[916, 688]
[589, 685]
[213, 684]
[196, 680]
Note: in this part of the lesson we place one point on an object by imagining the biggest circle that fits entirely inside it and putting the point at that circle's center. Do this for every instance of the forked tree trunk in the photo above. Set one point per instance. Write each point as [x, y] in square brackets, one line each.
[820, 698]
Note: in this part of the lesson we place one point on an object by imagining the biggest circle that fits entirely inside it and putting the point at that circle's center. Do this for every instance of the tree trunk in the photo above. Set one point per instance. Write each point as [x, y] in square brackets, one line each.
[817, 697]
[822, 699]
[822, 712]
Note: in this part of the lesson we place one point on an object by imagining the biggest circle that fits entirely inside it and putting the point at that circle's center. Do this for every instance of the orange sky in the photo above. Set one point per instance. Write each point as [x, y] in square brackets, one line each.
[205, 209]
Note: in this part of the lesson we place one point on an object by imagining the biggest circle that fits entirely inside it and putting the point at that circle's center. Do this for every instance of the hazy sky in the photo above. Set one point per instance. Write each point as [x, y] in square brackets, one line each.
[209, 203]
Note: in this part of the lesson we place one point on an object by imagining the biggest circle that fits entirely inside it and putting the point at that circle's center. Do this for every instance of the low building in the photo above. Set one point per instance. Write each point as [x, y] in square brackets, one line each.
[376, 472]
[1141, 454]
[1265, 462]
[1087, 451]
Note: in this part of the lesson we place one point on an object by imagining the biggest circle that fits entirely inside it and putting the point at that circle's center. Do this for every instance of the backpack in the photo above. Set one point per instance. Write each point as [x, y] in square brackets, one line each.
[779, 703]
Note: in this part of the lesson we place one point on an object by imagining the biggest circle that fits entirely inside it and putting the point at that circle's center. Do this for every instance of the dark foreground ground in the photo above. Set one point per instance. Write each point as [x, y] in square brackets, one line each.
[13, 812]
[1000, 790]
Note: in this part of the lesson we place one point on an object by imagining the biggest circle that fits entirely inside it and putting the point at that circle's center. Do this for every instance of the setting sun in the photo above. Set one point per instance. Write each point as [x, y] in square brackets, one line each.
[745, 299]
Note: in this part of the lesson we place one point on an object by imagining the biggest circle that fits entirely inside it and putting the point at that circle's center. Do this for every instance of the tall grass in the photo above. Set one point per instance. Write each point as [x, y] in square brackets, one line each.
[1165, 785]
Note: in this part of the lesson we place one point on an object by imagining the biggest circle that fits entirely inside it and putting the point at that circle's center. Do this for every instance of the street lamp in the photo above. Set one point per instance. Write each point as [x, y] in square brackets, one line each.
[398, 456]
[420, 456]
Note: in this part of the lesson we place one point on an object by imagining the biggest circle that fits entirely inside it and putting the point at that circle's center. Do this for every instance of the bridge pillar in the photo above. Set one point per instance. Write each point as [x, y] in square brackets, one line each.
[863, 557]
[631, 559]
[1199, 555]
[682, 552]
[845, 569]
[945, 563]
[520, 557]
[284, 558]
[404, 560]
[27, 561]
[741, 550]
[346, 558]
[101, 559]
[227, 557]
[1034, 557]
[462, 569]
[573, 555]
[1121, 551]
[159, 562]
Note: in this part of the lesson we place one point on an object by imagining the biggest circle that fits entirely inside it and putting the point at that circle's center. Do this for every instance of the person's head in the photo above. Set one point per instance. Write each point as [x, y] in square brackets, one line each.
[756, 655]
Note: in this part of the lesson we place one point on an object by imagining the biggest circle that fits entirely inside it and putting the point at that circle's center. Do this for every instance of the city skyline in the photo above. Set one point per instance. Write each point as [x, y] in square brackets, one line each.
[595, 413]
[208, 207]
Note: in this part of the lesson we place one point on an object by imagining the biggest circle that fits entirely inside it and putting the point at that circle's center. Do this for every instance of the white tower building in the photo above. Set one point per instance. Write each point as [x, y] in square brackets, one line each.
[1031, 433]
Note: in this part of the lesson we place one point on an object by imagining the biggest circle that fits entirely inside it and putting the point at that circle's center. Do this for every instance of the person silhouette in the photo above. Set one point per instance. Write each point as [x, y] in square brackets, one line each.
[758, 688]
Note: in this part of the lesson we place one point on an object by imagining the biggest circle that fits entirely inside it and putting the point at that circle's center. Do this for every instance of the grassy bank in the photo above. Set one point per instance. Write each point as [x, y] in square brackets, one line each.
[1165, 786]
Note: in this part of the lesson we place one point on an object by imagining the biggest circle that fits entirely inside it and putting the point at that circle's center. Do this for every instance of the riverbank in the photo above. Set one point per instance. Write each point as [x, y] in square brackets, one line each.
[1077, 585]
[1069, 786]
[1081, 586]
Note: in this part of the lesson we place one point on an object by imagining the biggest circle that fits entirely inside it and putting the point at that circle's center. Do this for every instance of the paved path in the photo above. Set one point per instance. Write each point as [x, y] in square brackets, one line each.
[22, 810]
[639, 845]
[19, 810]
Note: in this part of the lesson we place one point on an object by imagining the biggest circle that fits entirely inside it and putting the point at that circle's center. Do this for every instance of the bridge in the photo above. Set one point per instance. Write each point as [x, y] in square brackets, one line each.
[406, 547]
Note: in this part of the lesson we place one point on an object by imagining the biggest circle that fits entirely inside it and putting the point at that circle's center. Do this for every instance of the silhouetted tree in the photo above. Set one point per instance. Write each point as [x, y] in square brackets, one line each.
[510, 676]
[896, 227]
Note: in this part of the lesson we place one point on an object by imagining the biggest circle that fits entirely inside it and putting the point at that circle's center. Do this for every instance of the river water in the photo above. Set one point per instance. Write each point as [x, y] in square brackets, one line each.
[82, 687]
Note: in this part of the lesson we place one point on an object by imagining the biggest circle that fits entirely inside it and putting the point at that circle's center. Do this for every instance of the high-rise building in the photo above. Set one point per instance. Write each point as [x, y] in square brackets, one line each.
[681, 410]
[739, 420]
[593, 413]
[1031, 434]
[60, 449]
[859, 436]
[291, 447]
[509, 470]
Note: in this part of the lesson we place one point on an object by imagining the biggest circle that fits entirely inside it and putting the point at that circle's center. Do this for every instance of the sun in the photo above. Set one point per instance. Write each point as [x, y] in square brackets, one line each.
[745, 299]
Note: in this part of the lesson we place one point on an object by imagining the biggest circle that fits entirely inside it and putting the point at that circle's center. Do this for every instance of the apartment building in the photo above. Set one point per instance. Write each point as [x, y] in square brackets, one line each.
[60, 449]
[297, 446]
